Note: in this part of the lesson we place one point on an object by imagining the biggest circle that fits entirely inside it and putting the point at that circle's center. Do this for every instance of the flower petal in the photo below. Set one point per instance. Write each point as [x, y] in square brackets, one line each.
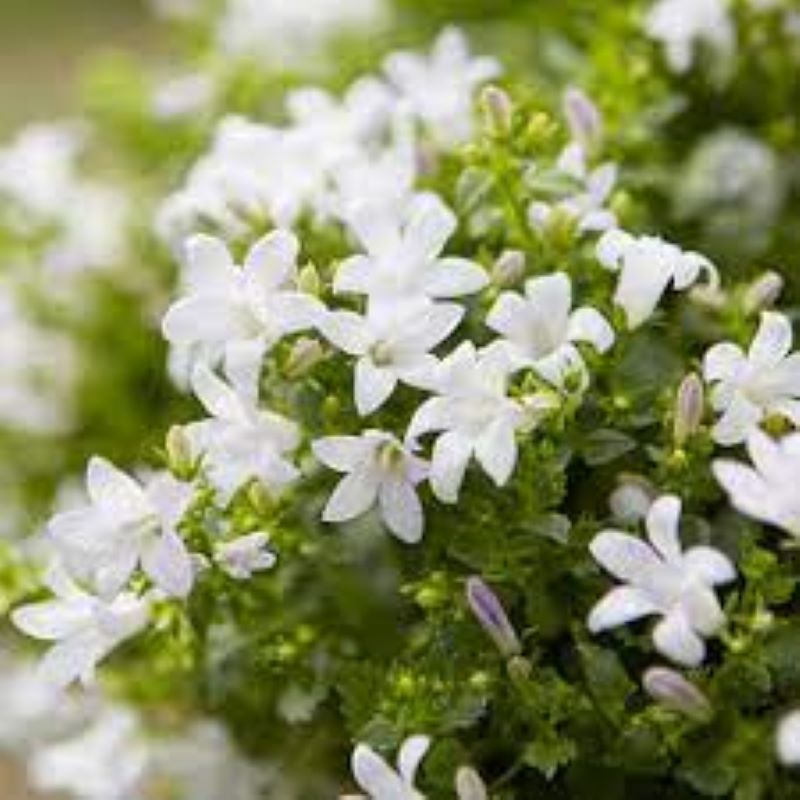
[373, 386]
[589, 325]
[342, 453]
[722, 361]
[623, 555]
[354, 495]
[412, 752]
[663, 520]
[167, 562]
[272, 261]
[674, 638]
[451, 455]
[739, 419]
[496, 451]
[402, 510]
[375, 776]
[773, 340]
[620, 605]
[709, 565]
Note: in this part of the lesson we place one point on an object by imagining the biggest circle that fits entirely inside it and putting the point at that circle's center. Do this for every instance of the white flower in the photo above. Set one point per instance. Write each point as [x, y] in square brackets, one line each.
[126, 525]
[587, 205]
[241, 441]
[380, 470]
[244, 556]
[439, 88]
[183, 96]
[767, 491]
[787, 739]
[473, 415]
[403, 259]
[84, 628]
[661, 579]
[392, 344]
[647, 265]
[108, 761]
[540, 329]
[682, 24]
[382, 782]
[750, 387]
[242, 310]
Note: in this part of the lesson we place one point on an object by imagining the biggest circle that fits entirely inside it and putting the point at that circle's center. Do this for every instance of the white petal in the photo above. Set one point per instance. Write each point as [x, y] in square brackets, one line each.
[550, 299]
[674, 638]
[737, 422]
[746, 490]
[709, 565]
[402, 510]
[216, 396]
[51, 619]
[623, 555]
[496, 451]
[347, 331]
[702, 610]
[663, 519]
[611, 248]
[429, 227]
[353, 496]
[641, 284]
[455, 277]
[116, 493]
[68, 661]
[373, 386]
[209, 267]
[353, 275]
[619, 606]
[412, 752]
[375, 776]
[167, 562]
[375, 227]
[509, 316]
[431, 325]
[451, 455]
[589, 325]
[722, 361]
[773, 340]
[342, 453]
[272, 261]
[203, 319]
[787, 741]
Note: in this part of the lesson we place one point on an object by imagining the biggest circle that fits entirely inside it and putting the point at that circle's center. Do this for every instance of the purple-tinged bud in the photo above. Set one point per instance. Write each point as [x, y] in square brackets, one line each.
[762, 293]
[689, 408]
[583, 118]
[492, 617]
[498, 110]
[669, 688]
[470, 785]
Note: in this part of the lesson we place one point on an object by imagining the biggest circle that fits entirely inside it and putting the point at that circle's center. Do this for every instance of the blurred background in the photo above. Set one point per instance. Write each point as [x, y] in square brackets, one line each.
[43, 44]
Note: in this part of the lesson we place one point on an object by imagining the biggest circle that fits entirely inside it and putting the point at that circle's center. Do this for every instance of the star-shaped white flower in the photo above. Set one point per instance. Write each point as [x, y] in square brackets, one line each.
[659, 578]
[83, 628]
[767, 491]
[403, 258]
[243, 557]
[392, 344]
[379, 470]
[241, 441]
[750, 387]
[241, 311]
[540, 329]
[381, 781]
[126, 525]
[473, 415]
[440, 88]
[647, 265]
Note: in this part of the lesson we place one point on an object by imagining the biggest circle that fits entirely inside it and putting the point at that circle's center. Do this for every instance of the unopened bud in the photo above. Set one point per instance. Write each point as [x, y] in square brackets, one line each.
[631, 500]
[259, 497]
[509, 269]
[689, 408]
[470, 785]
[787, 739]
[492, 616]
[498, 110]
[305, 354]
[308, 280]
[762, 293]
[669, 688]
[179, 451]
[583, 118]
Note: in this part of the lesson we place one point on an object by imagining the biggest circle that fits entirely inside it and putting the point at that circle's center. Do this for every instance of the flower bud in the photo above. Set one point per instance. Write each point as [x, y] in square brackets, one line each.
[787, 739]
[631, 500]
[509, 269]
[669, 688]
[498, 110]
[762, 293]
[305, 354]
[583, 118]
[492, 617]
[308, 280]
[470, 785]
[179, 451]
[689, 407]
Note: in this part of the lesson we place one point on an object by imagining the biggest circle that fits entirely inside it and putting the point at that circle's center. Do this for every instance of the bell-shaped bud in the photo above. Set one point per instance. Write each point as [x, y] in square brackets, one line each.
[305, 354]
[492, 616]
[669, 688]
[689, 408]
[762, 293]
[470, 785]
[631, 500]
[509, 269]
[179, 452]
[498, 110]
[583, 118]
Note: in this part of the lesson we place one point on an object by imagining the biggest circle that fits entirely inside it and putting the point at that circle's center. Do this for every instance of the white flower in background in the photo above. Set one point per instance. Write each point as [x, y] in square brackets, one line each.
[767, 491]
[682, 25]
[392, 344]
[403, 255]
[750, 387]
[242, 310]
[183, 96]
[379, 471]
[540, 329]
[108, 761]
[241, 558]
[241, 441]
[439, 88]
[587, 205]
[787, 739]
[381, 781]
[470, 785]
[126, 524]
[647, 265]
[83, 628]
[282, 34]
[473, 415]
[659, 578]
